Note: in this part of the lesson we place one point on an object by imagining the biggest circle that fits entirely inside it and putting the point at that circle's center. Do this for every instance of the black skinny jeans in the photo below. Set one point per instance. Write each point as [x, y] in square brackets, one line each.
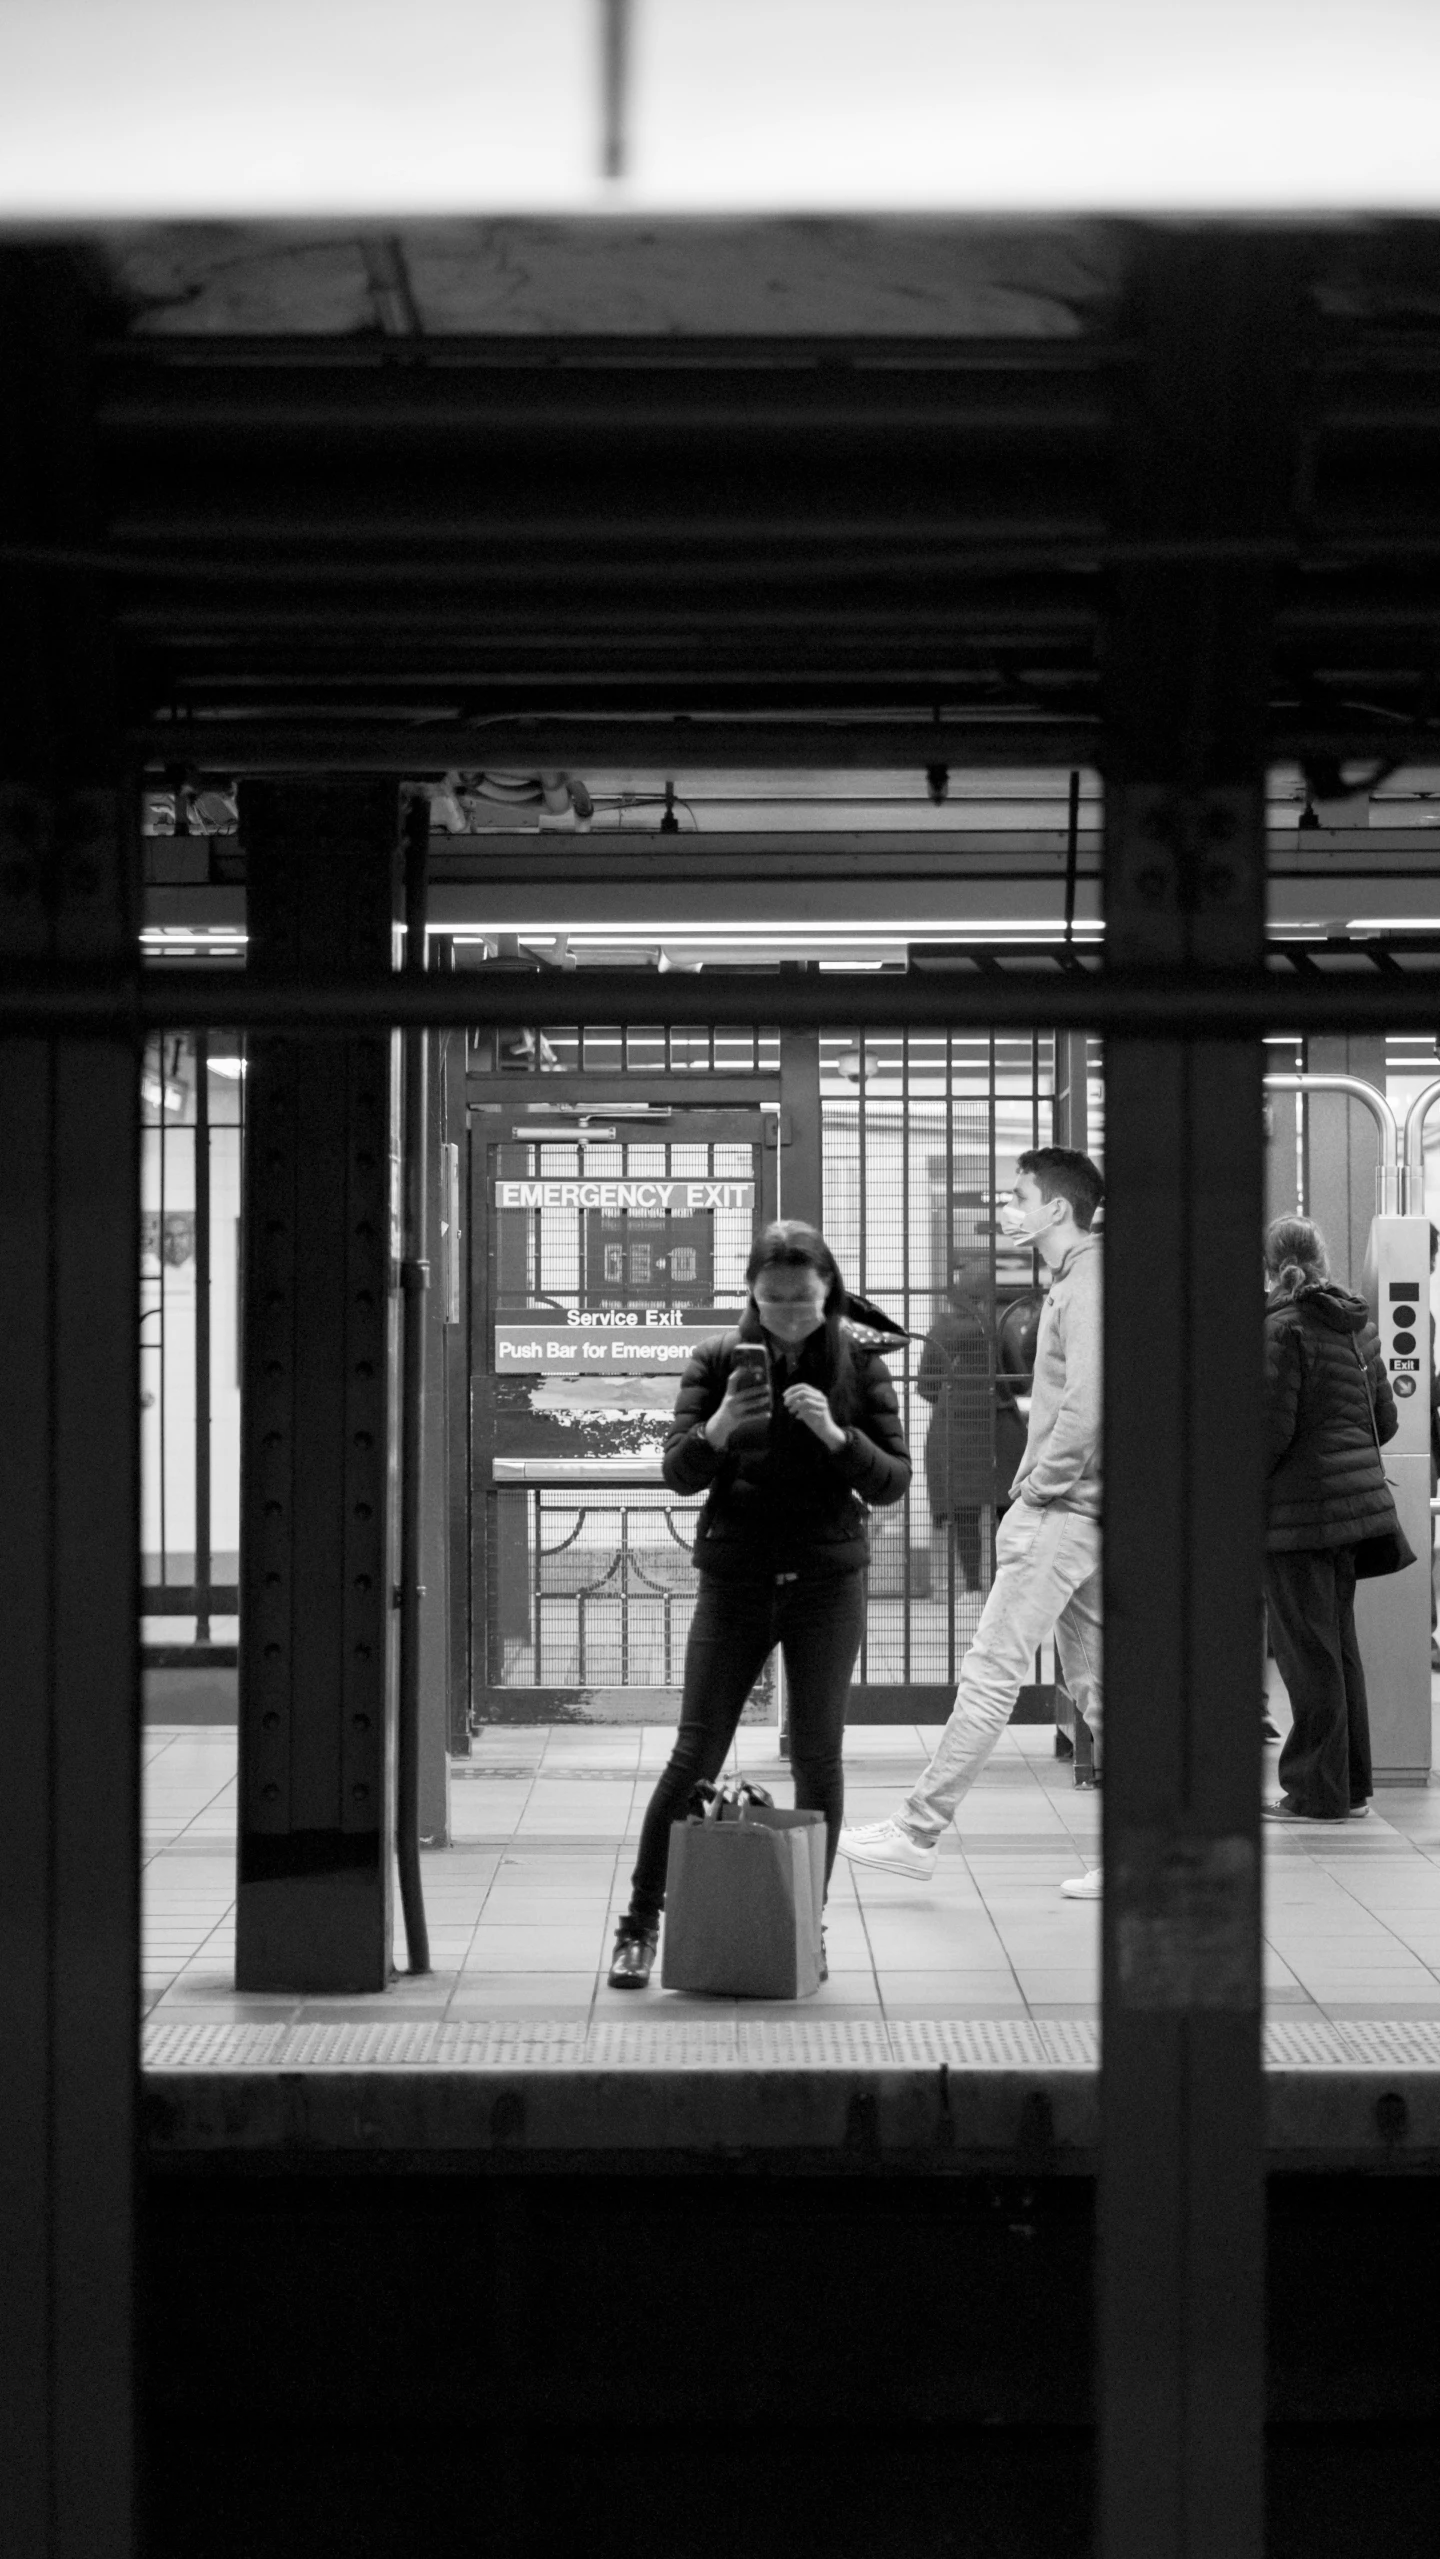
[965, 1530]
[1325, 1764]
[817, 1624]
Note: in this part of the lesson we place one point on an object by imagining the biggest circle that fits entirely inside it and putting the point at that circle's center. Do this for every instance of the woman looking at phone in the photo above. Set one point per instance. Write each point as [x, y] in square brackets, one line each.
[790, 1425]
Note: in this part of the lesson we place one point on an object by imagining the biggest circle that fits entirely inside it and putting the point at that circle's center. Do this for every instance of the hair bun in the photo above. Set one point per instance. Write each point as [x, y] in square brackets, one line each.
[1295, 1255]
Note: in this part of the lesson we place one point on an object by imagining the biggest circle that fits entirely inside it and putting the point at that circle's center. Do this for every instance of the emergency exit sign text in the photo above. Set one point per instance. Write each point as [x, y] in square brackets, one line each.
[643, 1199]
[599, 1348]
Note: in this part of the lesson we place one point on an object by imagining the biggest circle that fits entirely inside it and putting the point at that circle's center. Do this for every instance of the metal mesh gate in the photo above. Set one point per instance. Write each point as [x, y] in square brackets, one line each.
[594, 1589]
[598, 1253]
[920, 1134]
[192, 1134]
[583, 1590]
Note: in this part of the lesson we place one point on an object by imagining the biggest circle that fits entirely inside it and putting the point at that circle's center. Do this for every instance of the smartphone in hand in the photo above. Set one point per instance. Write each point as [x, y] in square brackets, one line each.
[747, 1399]
[748, 1362]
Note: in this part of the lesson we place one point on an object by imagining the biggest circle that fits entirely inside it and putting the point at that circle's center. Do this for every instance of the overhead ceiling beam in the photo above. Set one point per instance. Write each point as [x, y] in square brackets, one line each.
[565, 744]
[350, 386]
[1208, 1004]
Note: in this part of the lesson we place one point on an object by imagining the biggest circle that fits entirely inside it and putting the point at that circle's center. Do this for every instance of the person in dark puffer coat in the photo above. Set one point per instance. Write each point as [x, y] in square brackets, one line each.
[1328, 1405]
[791, 1449]
[977, 1438]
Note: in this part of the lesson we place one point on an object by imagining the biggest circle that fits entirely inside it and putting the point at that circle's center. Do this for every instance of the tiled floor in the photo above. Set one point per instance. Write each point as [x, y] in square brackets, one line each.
[522, 1906]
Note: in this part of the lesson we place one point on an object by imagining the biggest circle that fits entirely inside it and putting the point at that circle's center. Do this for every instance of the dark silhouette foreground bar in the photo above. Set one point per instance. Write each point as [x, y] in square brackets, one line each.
[1204, 1004]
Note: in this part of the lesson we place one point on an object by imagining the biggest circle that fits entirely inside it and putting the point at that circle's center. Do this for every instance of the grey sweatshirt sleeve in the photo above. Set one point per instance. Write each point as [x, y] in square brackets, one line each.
[1071, 1446]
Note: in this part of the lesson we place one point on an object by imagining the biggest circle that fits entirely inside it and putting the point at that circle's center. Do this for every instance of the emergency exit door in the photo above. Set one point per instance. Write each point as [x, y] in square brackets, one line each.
[601, 1253]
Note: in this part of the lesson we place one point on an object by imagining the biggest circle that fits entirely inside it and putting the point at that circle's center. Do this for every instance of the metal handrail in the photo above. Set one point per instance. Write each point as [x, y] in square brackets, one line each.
[1414, 1145]
[1391, 1169]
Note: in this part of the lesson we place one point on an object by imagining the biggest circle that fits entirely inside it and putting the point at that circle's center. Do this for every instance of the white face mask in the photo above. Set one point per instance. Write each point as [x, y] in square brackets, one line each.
[1024, 1225]
[792, 1319]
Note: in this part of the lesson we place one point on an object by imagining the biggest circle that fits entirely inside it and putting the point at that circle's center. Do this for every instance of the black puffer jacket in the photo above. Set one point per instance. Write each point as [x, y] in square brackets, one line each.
[1324, 1384]
[957, 1375]
[789, 1506]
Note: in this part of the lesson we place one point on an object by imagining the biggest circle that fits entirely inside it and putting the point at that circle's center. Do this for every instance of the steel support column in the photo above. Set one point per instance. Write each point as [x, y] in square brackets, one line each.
[452, 1364]
[1072, 1090]
[800, 1130]
[435, 1526]
[1181, 2300]
[69, 1490]
[317, 1567]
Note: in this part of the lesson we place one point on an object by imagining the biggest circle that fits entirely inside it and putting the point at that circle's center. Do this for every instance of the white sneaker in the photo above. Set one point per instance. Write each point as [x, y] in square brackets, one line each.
[1084, 1887]
[886, 1845]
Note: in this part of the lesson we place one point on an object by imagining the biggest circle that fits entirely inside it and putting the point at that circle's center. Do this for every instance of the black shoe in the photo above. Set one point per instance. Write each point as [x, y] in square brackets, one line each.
[824, 1959]
[635, 1943]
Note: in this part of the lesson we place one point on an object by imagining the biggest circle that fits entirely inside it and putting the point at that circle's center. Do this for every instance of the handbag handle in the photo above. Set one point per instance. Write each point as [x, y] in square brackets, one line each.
[737, 1795]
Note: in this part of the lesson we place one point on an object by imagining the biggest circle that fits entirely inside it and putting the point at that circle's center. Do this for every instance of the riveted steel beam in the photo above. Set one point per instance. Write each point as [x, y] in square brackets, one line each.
[561, 741]
[315, 1800]
[1210, 437]
[69, 1490]
[1205, 1004]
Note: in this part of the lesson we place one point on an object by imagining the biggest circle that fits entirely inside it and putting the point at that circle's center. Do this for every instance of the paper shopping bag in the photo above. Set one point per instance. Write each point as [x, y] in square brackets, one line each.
[742, 1904]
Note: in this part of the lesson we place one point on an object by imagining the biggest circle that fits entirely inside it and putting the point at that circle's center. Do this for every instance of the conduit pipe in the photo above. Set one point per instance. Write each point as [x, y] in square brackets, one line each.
[1390, 1181]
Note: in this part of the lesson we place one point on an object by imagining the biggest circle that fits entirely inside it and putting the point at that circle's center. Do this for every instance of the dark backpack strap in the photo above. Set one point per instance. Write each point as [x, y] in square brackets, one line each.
[1364, 1367]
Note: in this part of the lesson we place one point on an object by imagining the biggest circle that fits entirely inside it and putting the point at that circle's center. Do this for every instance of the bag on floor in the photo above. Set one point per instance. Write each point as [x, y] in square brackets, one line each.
[744, 1890]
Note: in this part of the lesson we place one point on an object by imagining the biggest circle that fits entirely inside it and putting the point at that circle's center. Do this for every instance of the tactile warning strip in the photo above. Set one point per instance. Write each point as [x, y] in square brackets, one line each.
[737, 2043]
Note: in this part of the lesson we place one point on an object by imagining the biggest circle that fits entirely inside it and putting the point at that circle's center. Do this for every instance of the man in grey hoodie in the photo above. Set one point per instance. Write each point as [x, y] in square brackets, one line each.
[1047, 1550]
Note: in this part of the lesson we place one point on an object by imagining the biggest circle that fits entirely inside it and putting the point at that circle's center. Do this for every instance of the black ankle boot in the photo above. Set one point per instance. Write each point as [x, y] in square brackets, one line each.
[635, 1943]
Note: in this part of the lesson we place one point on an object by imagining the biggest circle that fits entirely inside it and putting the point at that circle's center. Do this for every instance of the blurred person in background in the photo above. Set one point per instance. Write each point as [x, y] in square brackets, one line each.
[1328, 1412]
[976, 1437]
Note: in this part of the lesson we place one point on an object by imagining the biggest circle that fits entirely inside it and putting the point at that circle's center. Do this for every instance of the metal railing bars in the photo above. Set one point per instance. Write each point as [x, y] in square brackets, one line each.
[1389, 1170]
[1412, 1155]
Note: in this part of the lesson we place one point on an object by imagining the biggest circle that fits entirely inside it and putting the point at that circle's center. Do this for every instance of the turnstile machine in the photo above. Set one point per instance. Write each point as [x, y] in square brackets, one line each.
[1392, 1615]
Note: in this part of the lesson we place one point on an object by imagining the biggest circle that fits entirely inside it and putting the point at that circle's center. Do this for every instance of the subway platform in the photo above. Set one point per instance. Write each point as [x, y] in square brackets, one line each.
[960, 2023]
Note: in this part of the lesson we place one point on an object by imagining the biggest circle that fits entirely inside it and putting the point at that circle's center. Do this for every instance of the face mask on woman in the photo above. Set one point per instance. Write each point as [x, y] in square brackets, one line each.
[790, 1302]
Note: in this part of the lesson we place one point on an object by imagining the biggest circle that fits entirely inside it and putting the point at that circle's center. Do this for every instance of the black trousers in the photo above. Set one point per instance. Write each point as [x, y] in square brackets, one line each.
[1325, 1764]
[965, 1530]
[736, 1626]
